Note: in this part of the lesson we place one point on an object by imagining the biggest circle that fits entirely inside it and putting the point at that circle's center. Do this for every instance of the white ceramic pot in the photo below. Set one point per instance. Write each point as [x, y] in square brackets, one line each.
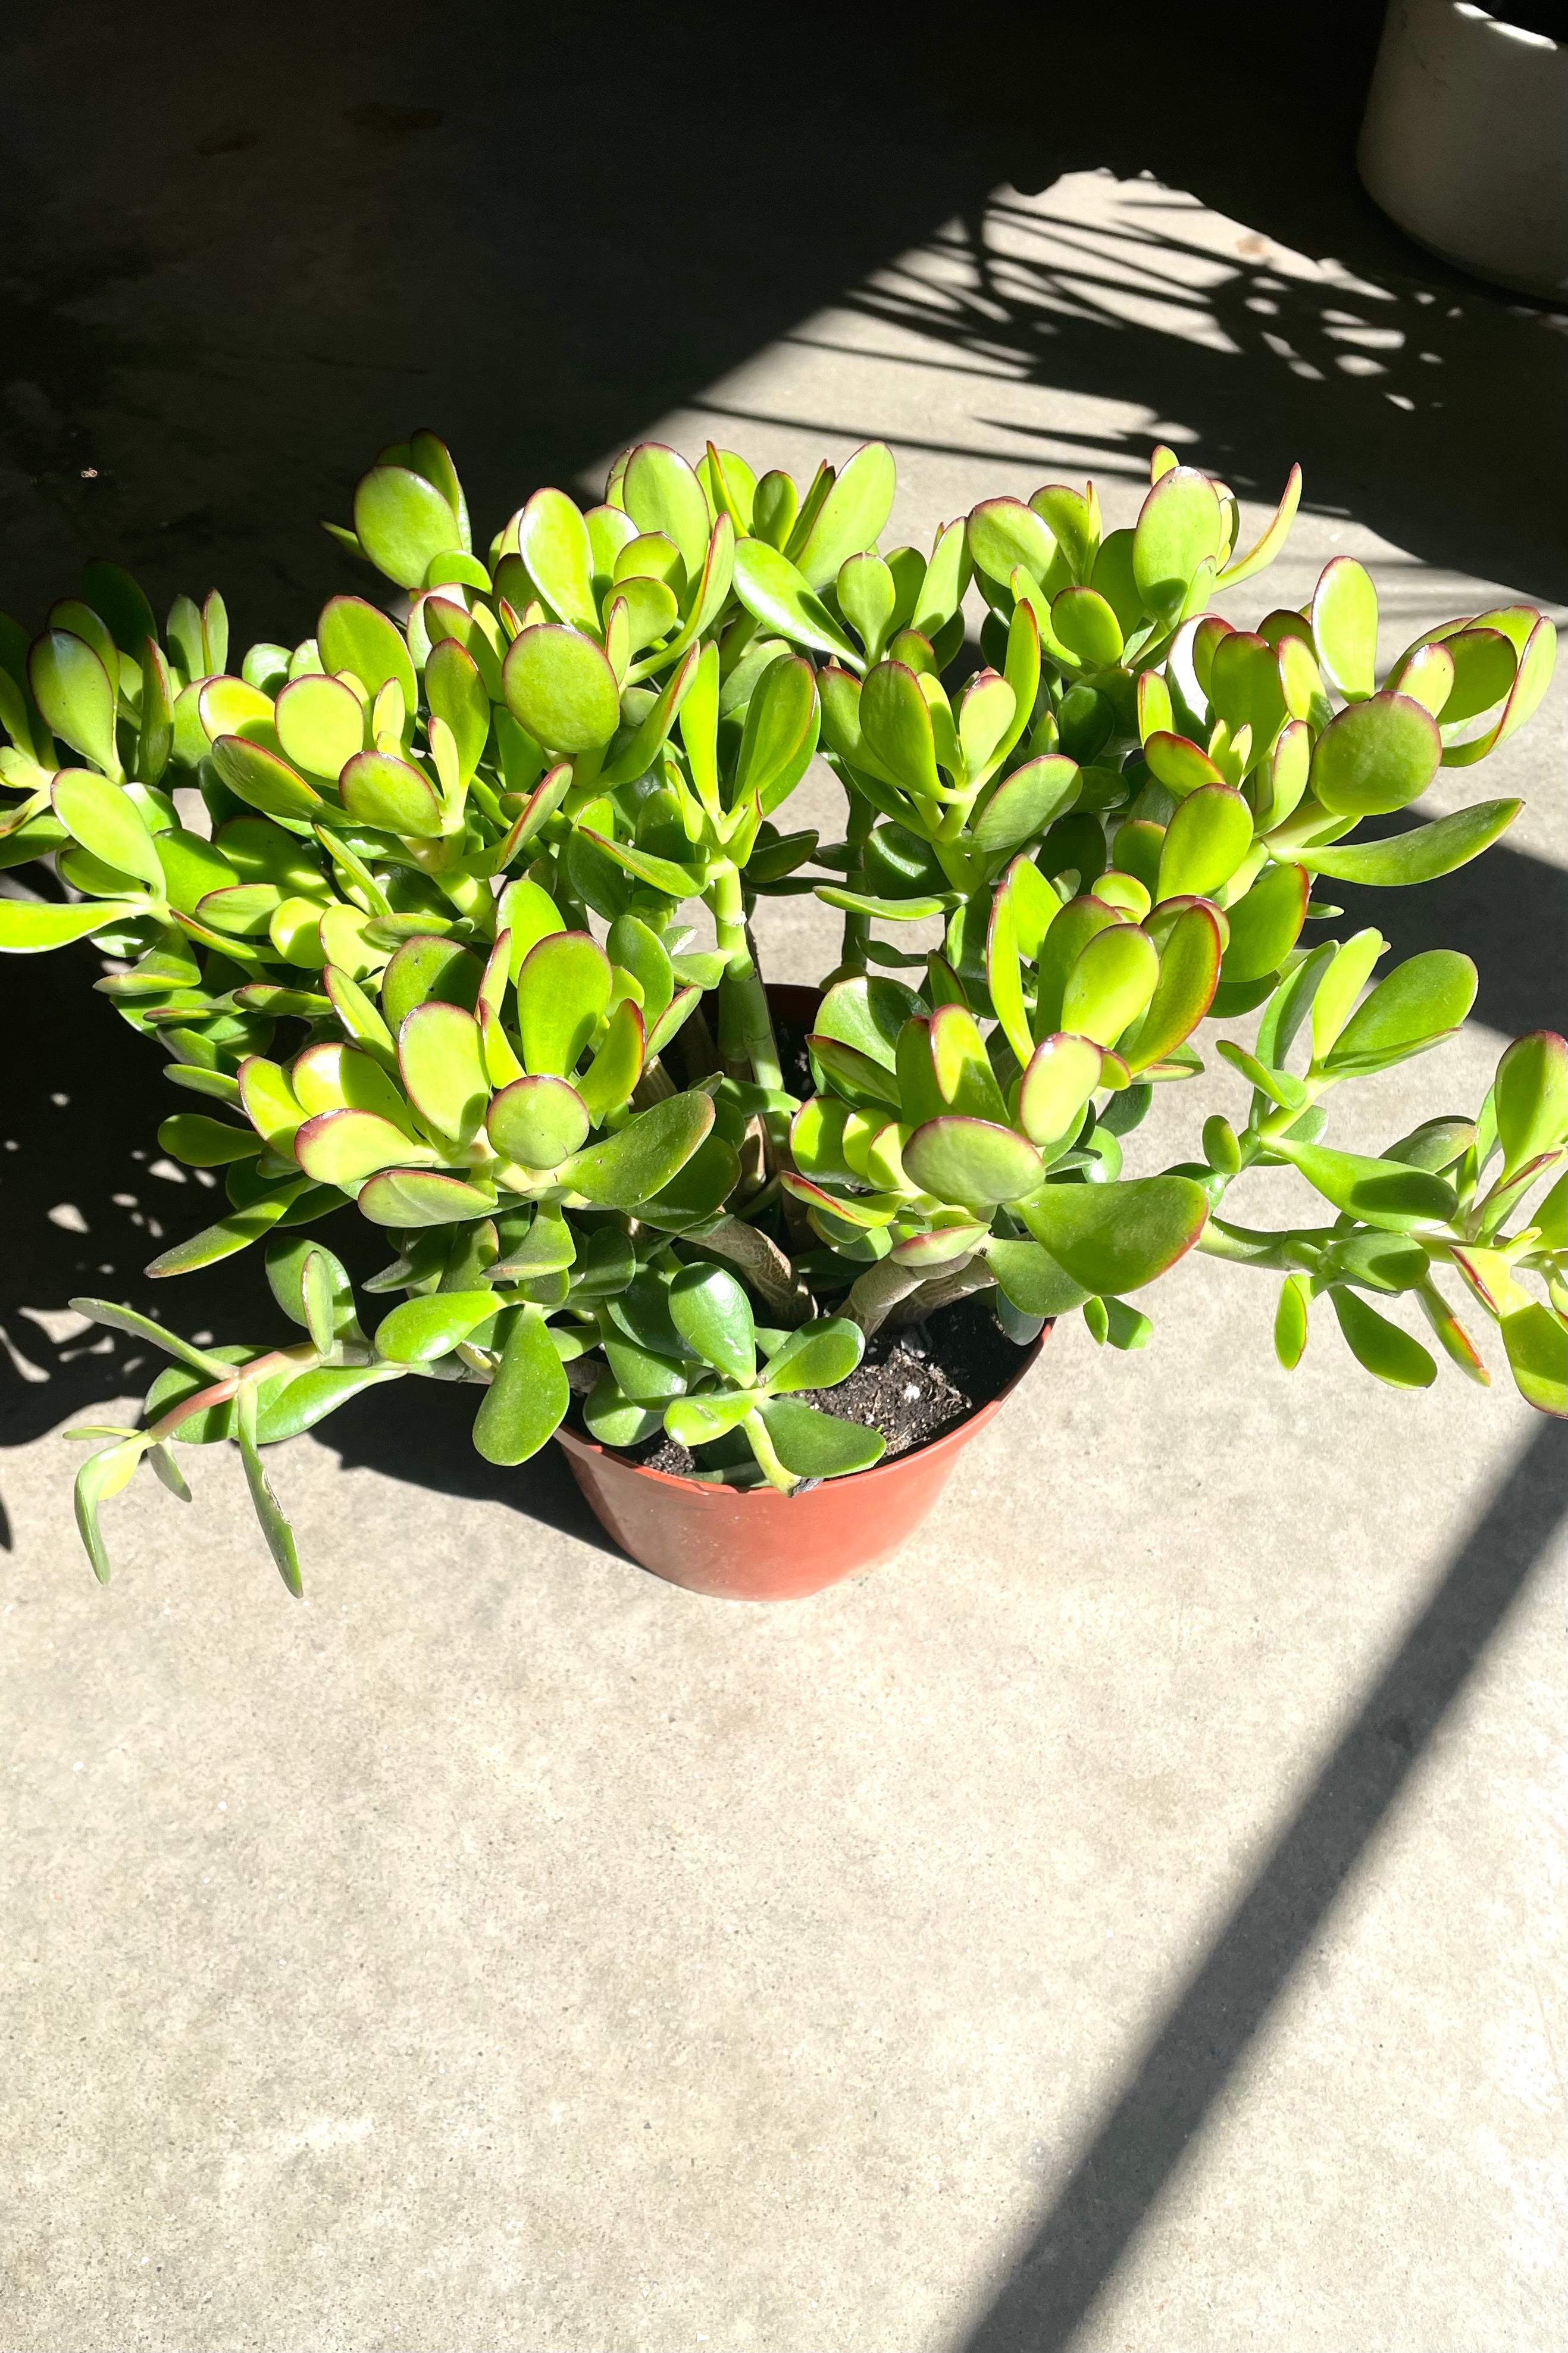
[1465, 140]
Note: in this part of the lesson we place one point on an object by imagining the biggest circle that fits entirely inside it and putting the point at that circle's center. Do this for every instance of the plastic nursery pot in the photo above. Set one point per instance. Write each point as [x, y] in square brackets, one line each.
[755, 1544]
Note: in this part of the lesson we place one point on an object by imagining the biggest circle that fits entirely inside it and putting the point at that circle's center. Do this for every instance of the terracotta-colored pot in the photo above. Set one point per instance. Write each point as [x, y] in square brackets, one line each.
[755, 1544]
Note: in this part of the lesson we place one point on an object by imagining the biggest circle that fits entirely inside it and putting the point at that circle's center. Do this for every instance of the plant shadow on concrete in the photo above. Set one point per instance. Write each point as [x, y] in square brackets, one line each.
[1385, 371]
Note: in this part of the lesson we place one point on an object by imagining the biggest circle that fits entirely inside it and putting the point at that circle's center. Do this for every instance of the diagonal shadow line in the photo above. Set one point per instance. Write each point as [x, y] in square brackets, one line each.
[703, 406]
[1107, 2200]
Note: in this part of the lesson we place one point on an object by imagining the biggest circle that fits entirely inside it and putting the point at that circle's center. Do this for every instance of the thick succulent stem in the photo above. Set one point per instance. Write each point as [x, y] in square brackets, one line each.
[875, 1294]
[745, 1027]
[1250, 1246]
[857, 827]
[655, 1085]
[765, 1268]
[220, 1392]
[944, 1289]
[698, 1050]
[898, 1295]
[853, 947]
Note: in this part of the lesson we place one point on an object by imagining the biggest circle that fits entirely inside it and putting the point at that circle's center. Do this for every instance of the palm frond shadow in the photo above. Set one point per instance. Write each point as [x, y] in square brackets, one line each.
[1420, 402]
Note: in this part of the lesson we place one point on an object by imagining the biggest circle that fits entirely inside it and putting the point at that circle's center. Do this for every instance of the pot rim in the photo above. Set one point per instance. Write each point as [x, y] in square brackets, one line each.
[956, 1436]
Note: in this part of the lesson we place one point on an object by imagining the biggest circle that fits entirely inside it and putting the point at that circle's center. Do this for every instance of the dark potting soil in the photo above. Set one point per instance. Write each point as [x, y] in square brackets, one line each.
[795, 1062]
[912, 1385]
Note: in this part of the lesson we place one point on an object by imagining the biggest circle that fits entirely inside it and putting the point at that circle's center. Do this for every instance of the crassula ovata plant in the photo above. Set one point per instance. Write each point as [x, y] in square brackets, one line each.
[403, 906]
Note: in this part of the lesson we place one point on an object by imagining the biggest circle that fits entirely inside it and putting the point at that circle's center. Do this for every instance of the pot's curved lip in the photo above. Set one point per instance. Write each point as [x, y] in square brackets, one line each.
[713, 1492]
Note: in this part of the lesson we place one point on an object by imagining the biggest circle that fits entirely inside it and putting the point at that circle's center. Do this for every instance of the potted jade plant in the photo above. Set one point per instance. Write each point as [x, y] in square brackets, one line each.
[403, 905]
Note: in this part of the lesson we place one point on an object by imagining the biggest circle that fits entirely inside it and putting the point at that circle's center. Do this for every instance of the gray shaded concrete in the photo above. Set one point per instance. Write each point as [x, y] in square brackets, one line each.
[1130, 1920]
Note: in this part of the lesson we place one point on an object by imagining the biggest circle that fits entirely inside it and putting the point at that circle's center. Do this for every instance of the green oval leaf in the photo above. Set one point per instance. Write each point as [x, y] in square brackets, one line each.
[972, 1162]
[203, 1142]
[1116, 1237]
[424, 967]
[402, 520]
[442, 1060]
[1179, 529]
[107, 822]
[420, 1330]
[1061, 1075]
[1530, 1098]
[1031, 1278]
[1384, 1193]
[819, 1355]
[1419, 856]
[697, 1190]
[1003, 533]
[1485, 665]
[1179, 764]
[867, 597]
[308, 1398]
[353, 636]
[560, 686]
[264, 780]
[1244, 687]
[456, 691]
[815, 1445]
[782, 720]
[852, 516]
[1537, 1344]
[862, 1211]
[629, 1167]
[773, 592]
[562, 994]
[862, 1081]
[74, 695]
[343, 1147]
[661, 493]
[613, 1420]
[713, 1316]
[896, 720]
[1265, 923]
[1380, 1346]
[382, 791]
[421, 1196]
[1344, 624]
[28, 927]
[700, 1420]
[527, 1400]
[1426, 676]
[867, 1012]
[1376, 757]
[1208, 836]
[320, 724]
[1087, 625]
[553, 540]
[617, 1064]
[537, 1122]
[1419, 1002]
[1111, 984]
[1022, 805]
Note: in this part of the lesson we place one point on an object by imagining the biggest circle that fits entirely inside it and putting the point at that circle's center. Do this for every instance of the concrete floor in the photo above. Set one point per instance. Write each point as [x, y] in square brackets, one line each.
[1130, 1921]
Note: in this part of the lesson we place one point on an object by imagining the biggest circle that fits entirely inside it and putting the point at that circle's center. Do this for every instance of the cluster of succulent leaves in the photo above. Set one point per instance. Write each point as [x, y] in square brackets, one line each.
[373, 961]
